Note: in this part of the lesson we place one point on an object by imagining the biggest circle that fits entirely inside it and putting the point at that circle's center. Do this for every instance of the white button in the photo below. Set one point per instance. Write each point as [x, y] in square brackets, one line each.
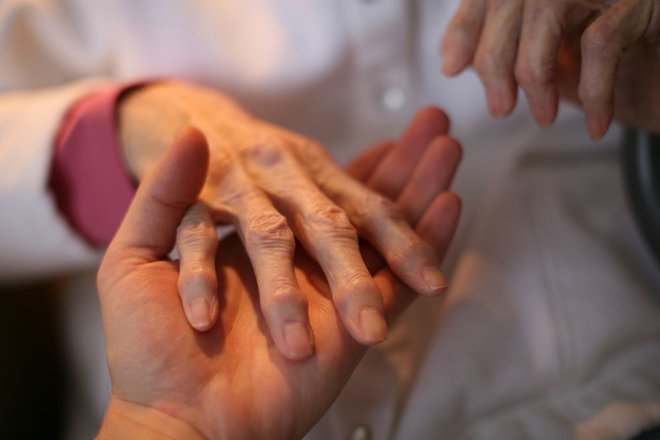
[393, 98]
[361, 432]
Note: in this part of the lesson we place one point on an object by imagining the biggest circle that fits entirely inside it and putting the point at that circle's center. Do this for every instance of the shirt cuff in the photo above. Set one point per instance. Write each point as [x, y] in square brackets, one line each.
[90, 181]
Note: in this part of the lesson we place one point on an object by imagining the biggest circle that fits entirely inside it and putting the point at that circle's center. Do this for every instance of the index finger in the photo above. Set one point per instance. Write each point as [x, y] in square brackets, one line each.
[462, 36]
[149, 227]
[537, 57]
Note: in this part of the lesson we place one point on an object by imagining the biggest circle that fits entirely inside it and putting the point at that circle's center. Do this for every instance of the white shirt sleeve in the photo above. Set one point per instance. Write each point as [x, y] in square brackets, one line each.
[35, 240]
[46, 47]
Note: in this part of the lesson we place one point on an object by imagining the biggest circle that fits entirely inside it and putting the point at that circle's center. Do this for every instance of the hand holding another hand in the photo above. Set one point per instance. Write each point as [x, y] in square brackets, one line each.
[231, 382]
[275, 186]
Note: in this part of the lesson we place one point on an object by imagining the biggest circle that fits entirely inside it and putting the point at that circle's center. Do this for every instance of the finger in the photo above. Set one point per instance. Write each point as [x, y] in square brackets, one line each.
[537, 56]
[379, 221]
[197, 243]
[393, 171]
[326, 234]
[569, 60]
[438, 223]
[432, 175]
[270, 245]
[438, 226]
[376, 218]
[149, 227]
[603, 45]
[460, 41]
[433, 224]
[439, 168]
[363, 166]
[495, 57]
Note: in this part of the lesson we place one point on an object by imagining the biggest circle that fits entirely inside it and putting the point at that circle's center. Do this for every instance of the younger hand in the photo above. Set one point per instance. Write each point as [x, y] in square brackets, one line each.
[169, 381]
[275, 187]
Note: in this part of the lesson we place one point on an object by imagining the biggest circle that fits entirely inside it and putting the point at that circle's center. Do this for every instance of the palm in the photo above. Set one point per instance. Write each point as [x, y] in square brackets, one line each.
[232, 382]
[233, 373]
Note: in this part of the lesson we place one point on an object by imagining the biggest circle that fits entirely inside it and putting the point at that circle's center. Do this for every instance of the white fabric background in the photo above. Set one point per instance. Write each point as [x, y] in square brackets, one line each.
[550, 329]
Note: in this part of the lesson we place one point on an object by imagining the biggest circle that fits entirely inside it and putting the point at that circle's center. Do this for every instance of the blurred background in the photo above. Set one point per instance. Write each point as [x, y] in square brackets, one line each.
[33, 381]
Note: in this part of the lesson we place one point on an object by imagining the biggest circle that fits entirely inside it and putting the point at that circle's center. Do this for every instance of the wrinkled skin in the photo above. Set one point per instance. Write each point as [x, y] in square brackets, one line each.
[603, 54]
[232, 382]
[276, 186]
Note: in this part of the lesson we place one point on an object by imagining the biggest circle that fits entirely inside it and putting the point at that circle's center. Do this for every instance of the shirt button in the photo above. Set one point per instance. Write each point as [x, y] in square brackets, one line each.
[361, 432]
[393, 98]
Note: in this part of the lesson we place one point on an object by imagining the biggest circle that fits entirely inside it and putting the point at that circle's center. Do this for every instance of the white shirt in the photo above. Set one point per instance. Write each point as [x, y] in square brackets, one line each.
[550, 328]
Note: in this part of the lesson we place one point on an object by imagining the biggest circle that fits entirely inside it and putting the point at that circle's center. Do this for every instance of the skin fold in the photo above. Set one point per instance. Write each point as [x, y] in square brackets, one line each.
[277, 188]
[602, 54]
[170, 381]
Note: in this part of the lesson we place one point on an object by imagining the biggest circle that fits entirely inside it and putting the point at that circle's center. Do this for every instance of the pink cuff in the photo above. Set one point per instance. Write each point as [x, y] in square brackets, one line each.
[91, 183]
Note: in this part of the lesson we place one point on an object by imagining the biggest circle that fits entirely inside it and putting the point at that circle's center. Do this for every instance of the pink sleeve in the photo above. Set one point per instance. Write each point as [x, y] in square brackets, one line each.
[92, 186]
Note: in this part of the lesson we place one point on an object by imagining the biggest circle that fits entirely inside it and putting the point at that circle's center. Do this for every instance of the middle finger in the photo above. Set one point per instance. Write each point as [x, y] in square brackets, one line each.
[326, 234]
[496, 54]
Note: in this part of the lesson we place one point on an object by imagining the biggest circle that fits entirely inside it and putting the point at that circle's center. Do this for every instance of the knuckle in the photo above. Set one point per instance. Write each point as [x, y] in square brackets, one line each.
[197, 276]
[409, 249]
[193, 234]
[316, 159]
[356, 289]
[286, 296]
[314, 147]
[596, 39]
[488, 64]
[379, 208]
[528, 74]
[267, 151]
[269, 230]
[358, 282]
[591, 95]
[329, 219]
[237, 191]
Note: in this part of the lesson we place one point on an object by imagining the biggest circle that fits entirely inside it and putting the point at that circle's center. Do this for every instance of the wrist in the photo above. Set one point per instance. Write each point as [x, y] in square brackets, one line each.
[150, 117]
[126, 420]
[146, 125]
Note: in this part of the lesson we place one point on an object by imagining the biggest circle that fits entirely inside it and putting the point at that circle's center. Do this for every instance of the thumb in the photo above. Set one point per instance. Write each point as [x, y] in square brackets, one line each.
[149, 227]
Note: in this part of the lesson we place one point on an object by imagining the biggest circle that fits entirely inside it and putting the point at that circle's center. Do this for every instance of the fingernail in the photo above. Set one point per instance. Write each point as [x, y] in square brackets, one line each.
[372, 325]
[543, 107]
[200, 313]
[435, 279]
[597, 124]
[449, 63]
[542, 115]
[297, 339]
[451, 60]
[499, 100]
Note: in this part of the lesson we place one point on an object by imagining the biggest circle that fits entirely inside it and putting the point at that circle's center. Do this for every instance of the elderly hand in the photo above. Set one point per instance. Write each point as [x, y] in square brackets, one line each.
[274, 186]
[575, 47]
[169, 381]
